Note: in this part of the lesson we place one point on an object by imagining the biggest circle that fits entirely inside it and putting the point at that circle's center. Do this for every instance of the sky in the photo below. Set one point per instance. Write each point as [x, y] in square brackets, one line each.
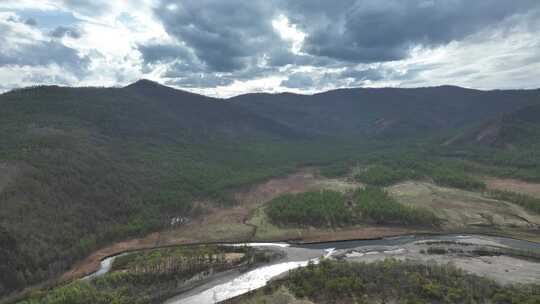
[224, 48]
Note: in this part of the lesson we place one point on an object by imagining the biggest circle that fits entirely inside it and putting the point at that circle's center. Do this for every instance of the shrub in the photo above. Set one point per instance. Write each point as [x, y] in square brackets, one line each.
[384, 176]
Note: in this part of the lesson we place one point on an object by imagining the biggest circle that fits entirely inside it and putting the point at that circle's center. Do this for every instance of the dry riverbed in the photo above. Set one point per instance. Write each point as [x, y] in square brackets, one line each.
[503, 260]
[470, 254]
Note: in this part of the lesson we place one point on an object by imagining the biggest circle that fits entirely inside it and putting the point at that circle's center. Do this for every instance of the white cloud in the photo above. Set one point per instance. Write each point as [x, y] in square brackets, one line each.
[289, 32]
[267, 84]
[29, 4]
[505, 54]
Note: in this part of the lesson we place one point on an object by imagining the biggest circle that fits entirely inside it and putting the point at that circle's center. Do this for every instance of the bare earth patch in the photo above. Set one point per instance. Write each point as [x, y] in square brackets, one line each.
[503, 269]
[464, 209]
[513, 185]
[305, 180]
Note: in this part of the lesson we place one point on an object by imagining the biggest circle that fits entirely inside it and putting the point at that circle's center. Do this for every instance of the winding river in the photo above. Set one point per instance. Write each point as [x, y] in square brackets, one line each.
[230, 285]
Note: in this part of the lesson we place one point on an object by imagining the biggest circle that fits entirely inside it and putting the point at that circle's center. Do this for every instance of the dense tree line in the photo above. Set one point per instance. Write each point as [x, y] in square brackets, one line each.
[456, 179]
[324, 208]
[373, 203]
[328, 208]
[383, 175]
[441, 174]
[392, 281]
[186, 260]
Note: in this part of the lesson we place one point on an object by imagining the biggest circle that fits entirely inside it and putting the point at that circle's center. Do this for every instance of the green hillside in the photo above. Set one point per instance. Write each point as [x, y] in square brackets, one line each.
[82, 167]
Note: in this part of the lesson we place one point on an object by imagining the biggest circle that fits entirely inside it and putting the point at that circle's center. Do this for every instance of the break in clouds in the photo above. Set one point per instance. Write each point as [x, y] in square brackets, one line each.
[230, 47]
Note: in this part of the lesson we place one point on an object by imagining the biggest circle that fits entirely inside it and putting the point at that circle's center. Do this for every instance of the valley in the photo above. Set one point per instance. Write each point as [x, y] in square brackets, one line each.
[104, 171]
[269, 152]
[461, 211]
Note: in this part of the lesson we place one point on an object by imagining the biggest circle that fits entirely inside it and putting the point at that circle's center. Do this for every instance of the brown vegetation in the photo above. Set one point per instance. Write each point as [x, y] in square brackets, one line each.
[514, 185]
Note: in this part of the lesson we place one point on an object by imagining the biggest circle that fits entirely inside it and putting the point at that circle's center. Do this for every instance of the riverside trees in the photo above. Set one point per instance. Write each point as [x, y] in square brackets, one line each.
[400, 282]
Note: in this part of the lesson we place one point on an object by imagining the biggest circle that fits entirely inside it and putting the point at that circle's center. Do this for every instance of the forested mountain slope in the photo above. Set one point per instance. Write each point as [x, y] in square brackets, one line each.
[386, 110]
[82, 167]
[514, 130]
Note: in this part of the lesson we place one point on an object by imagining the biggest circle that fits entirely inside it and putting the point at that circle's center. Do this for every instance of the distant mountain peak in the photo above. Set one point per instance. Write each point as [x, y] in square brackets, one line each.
[150, 87]
[144, 83]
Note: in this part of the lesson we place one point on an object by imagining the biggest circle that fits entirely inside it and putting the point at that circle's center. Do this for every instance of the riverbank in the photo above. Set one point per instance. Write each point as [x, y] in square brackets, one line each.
[442, 263]
[477, 255]
[153, 276]
[218, 285]
[233, 285]
[413, 249]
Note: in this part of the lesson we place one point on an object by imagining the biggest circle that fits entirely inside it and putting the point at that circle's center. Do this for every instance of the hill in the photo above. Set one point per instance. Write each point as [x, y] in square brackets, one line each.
[85, 166]
[386, 111]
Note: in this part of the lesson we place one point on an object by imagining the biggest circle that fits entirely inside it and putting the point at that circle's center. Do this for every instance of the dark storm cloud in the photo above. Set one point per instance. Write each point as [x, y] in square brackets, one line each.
[161, 53]
[376, 31]
[195, 74]
[66, 31]
[45, 53]
[180, 62]
[225, 35]
[234, 36]
[349, 77]
[282, 56]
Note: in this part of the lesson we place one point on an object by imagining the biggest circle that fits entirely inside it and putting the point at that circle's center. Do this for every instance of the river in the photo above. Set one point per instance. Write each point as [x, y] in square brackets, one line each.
[229, 285]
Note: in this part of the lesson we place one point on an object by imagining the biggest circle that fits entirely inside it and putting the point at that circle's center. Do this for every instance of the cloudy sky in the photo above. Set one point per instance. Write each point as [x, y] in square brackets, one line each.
[228, 47]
